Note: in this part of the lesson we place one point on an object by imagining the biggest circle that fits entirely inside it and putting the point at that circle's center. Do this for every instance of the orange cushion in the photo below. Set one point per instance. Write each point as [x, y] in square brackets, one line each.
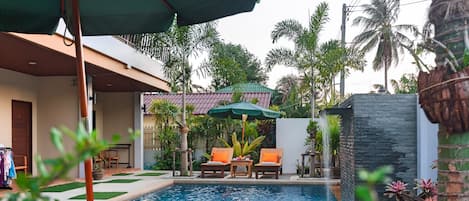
[270, 157]
[220, 156]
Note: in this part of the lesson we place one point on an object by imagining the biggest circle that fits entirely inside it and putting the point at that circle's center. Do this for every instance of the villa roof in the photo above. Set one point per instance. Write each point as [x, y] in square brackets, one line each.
[246, 87]
[205, 101]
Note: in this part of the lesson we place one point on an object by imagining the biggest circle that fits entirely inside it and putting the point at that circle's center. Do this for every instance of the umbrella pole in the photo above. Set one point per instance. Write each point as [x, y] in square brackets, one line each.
[244, 117]
[80, 65]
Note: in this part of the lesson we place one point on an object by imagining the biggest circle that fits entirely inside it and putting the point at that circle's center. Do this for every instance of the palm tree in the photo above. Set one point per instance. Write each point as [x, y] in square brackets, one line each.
[285, 86]
[174, 48]
[306, 40]
[380, 32]
[165, 114]
[332, 58]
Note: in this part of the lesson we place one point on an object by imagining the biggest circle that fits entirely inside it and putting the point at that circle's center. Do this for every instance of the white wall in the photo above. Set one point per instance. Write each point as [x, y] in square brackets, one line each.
[57, 106]
[427, 146]
[21, 87]
[291, 135]
[118, 117]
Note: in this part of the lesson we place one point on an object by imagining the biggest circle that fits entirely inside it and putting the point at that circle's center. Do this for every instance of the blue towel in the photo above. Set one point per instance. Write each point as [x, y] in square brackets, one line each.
[12, 172]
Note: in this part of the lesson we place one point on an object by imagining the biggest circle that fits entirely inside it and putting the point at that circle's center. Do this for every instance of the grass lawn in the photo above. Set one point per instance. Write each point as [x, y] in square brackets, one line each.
[63, 187]
[122, 174]
[121, 181]
[154, 174]
[99, 195]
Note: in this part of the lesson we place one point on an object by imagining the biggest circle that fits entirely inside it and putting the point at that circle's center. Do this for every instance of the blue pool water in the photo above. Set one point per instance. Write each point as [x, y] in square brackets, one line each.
[209, 192]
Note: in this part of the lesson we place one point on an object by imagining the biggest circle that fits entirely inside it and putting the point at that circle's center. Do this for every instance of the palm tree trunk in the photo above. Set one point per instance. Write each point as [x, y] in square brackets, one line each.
[453, 166]
[313, 90]
[184, 129]
[386, 78]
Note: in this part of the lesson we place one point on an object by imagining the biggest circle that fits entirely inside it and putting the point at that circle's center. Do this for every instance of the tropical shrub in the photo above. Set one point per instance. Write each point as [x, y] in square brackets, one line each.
[246, 149]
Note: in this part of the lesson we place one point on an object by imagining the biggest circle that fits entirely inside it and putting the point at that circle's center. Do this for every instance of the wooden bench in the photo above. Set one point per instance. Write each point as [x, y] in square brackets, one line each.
[22, 162]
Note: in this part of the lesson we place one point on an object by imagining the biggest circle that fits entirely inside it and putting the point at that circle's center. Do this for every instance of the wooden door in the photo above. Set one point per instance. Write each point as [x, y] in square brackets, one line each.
[22, 130]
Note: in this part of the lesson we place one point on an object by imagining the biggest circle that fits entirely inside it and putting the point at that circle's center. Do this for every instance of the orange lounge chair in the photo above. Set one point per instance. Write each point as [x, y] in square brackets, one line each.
[269, 161]
[220, 159]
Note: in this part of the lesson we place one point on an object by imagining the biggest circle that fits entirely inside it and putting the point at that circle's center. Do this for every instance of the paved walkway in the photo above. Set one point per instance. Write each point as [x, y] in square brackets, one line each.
[148, 184]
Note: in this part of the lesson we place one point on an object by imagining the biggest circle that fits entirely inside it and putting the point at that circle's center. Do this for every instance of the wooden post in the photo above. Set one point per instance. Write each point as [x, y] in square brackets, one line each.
[80, 67]
[174, 163]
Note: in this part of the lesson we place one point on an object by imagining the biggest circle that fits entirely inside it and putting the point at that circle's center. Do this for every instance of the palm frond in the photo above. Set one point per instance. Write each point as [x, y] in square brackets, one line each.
[367, 40]
[281, 56]
[290, 29]
[407, 28]
[378, 61]
[316, 24]
[319, 18]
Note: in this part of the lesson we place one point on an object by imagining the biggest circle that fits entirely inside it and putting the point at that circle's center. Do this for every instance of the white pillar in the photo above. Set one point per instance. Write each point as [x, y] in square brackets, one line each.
[138, 125]
[427, 146]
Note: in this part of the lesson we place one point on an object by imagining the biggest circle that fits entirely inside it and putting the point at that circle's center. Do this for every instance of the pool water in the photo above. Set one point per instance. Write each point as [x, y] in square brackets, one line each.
[212, 192]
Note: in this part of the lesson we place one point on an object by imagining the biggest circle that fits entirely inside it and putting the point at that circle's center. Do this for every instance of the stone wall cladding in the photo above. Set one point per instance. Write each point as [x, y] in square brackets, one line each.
[384, 133]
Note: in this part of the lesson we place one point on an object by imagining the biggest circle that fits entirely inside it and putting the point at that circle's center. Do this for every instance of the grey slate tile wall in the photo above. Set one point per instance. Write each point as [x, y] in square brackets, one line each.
[382, 131]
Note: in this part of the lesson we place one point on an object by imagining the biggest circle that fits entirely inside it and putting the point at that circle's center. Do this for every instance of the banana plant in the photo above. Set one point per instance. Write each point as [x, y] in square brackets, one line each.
[241, 151]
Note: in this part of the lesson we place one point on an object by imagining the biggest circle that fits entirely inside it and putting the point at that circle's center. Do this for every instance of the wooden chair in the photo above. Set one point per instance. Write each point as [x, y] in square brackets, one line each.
[220, 159]
[270, 160]
[21, 163]
[100, 158]
[112, 158]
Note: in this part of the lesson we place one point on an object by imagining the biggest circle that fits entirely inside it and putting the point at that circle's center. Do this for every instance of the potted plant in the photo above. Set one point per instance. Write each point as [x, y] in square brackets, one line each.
[312, 129]
[298, 168]
[98, 172]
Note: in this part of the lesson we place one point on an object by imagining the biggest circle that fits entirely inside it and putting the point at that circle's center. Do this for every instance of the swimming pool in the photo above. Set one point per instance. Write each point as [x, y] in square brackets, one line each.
[216, 192]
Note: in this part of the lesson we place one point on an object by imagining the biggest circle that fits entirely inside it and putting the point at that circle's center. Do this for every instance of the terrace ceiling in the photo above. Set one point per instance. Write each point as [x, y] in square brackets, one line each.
[28, 54]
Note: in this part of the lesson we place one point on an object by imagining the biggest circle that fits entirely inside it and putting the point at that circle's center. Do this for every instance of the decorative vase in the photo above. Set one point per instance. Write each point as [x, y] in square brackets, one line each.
[98, 174]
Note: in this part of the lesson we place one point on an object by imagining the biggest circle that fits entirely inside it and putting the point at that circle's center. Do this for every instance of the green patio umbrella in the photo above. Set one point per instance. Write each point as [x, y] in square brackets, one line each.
[236, 110]
[244, 111]
[113, 17]
[109, 17]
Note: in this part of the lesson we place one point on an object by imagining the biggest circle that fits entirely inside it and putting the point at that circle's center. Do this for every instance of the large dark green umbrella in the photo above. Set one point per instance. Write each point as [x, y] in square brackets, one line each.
[109, 17]
[236, 110]
[113, 17]
[244, 111]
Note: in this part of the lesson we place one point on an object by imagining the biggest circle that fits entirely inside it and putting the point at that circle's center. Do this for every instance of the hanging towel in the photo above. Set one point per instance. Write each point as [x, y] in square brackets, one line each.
[12, 171]
[2, 169]
[6, 164]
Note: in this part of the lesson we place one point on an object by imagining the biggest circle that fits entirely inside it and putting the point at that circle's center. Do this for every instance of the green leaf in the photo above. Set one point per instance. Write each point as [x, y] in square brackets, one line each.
[57, 139]
[363, 193]
[41, 167]
[466, 57]
[115, 138]
[237, 148]
[246, 150]
[207, 156]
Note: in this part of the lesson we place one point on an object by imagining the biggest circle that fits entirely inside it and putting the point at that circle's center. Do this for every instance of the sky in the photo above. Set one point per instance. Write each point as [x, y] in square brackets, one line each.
[252, 30]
